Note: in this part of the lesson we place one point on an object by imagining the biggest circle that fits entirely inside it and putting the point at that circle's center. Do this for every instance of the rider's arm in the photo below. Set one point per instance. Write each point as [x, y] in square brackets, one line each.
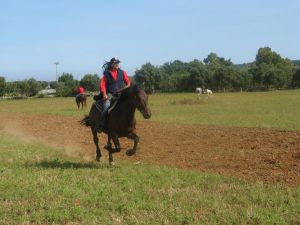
[126, 79]
[103, 87]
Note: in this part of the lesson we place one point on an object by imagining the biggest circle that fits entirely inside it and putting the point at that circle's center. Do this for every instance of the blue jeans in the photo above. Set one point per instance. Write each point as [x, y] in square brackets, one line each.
[107, 102]
[106, 105]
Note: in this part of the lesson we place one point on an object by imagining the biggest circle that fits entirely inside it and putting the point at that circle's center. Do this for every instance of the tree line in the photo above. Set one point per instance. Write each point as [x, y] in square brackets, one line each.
[31, 87]
[268, 71]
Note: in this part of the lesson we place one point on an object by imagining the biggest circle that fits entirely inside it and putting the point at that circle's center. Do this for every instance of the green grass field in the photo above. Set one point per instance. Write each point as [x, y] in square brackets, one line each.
[277, 109]
[39, 185]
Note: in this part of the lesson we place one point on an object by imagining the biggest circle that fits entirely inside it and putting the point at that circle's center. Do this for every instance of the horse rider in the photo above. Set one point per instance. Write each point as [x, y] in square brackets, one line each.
[80, 92]
[113, 81]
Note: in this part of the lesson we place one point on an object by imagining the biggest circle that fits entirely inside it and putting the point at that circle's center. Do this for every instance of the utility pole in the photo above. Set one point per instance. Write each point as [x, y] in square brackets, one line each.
[56, 64]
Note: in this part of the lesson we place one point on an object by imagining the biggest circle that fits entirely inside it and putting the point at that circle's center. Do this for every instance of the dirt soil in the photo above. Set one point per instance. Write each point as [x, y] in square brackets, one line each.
[255, 154]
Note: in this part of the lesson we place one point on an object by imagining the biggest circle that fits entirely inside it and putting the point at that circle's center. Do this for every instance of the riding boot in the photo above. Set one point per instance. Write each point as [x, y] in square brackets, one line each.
[101, 123]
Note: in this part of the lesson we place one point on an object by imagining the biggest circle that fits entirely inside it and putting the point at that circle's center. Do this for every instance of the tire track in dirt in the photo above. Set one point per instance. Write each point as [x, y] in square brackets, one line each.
[265, 155]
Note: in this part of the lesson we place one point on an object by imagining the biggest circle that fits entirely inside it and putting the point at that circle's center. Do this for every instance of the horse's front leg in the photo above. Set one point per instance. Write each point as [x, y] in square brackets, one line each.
[116, 141]
[112, 150]
[136, 139]
[96, 141]
[108, 146]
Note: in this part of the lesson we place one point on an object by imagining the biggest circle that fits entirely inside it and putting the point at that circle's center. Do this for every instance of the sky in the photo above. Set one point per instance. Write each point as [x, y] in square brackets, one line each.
[82, 34]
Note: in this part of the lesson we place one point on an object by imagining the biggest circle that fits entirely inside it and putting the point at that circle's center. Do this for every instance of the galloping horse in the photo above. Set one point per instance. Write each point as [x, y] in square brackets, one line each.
[121, 120]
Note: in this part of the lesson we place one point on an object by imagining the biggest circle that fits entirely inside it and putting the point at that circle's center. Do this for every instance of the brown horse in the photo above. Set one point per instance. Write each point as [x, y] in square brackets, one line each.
[80, 99]
[121, 120]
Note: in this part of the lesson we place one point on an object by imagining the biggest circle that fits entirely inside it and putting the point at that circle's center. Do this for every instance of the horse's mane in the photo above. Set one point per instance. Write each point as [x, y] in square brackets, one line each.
[127, 91]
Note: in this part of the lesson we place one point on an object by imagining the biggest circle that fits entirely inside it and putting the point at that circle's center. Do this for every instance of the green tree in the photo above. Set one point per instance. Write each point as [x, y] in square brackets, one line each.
[169, 84]
[2, 85]
[198, 75]
[221, 72]
[28, 87]
[214, 59]
[149, 76]
[62, 90]
[296, 78]
[23, 87]
[65, 85]
[53, 84]
[33, 87]
[11, 88]
[223, 77]
[242, 80]
[90, 82]
[267, 56]
[66, 78]
[176, 66]
[44, 84]
[271, 70]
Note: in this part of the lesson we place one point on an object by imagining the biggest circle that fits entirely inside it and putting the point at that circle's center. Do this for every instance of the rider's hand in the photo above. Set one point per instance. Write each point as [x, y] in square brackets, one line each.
[105, 96]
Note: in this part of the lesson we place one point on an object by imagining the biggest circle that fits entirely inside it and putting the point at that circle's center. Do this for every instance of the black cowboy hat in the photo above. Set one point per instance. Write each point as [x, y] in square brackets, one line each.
[114, 60]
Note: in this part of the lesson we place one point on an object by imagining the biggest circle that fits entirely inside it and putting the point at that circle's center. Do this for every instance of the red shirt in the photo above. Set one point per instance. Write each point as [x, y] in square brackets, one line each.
[81, 90]
[114, 74]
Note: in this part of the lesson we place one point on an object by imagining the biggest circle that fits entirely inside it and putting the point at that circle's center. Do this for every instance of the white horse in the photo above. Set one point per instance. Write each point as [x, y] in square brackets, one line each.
[199, 90]
[208, 92]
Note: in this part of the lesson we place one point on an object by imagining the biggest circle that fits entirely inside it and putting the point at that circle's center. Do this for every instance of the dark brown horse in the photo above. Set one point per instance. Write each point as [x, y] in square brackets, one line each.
[80, 99]
[121, 120]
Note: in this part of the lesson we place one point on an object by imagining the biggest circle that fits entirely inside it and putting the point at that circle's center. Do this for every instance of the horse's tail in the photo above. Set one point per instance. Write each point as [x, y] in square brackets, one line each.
[85, 121]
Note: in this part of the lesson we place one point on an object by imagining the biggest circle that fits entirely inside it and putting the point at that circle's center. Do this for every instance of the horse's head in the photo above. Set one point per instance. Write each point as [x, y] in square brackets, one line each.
[75, 90]
[141, 101]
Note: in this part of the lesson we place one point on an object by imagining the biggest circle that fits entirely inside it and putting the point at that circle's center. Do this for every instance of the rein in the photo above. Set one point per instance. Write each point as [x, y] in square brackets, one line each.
[98, 106]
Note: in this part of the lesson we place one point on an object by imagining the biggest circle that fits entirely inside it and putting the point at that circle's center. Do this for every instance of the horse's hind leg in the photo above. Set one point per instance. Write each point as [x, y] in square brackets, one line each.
[96, 141]
[136, 141]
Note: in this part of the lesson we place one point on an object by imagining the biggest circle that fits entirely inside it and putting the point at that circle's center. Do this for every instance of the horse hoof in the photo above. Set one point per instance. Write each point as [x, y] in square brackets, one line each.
[107, 147]
[98, 158]
[130, 152]
[116, 150]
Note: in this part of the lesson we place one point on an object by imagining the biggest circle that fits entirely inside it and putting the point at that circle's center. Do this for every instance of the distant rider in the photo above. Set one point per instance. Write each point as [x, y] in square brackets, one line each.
[80, 92]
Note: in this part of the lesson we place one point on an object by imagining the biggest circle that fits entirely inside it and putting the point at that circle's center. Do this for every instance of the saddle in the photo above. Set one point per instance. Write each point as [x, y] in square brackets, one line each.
[99, 102]
[78, 96]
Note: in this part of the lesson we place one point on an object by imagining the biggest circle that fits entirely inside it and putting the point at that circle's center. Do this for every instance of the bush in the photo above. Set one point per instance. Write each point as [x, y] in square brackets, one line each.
[63, 90]
[40, 96]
